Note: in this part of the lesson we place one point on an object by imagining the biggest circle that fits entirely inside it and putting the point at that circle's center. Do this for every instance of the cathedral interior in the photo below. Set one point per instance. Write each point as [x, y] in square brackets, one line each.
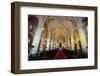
[57, 37]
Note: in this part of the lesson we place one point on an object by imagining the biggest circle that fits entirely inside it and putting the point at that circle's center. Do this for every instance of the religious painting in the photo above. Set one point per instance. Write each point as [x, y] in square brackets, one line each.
[57, 37]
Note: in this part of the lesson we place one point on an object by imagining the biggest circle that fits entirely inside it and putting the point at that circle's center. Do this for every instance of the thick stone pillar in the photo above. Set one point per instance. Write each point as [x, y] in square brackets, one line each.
[82, 35]
[82, 38]
[37, 35]
[48, 41]
[72, 41]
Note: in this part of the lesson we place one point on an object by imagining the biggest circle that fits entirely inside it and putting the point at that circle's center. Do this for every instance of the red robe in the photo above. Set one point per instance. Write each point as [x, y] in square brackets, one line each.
[60, 54]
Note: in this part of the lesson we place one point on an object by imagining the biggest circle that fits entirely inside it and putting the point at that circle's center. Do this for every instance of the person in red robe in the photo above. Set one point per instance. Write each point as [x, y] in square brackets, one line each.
[60, 54]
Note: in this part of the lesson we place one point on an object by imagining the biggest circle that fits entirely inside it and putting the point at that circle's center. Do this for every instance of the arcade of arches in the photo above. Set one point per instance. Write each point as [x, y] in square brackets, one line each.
[57, 37]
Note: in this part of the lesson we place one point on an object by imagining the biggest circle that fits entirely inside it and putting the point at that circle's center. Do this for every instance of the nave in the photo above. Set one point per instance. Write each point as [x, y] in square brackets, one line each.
[57, 37]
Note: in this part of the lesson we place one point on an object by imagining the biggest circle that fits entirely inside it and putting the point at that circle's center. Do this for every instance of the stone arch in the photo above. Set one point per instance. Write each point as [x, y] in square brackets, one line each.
[59, 34]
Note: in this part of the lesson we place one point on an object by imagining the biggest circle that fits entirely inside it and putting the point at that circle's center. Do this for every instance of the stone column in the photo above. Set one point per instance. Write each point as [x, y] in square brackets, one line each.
[37, 35]
[72, 41]
[48, 41]
[82, 35]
